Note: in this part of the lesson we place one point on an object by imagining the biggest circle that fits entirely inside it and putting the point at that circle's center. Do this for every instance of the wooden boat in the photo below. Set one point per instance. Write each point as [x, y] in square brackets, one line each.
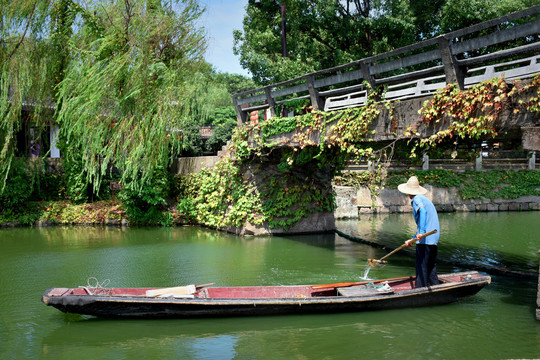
[206, 301]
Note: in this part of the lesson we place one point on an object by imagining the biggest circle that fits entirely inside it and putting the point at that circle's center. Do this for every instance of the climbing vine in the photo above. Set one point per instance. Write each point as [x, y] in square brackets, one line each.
[533, 104]
[471, 113]
[348, 130]
[505, 184]
[220, 197]
[317, 143]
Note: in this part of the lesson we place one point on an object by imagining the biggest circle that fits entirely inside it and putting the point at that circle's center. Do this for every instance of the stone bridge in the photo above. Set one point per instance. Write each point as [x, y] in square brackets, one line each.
[507, 47]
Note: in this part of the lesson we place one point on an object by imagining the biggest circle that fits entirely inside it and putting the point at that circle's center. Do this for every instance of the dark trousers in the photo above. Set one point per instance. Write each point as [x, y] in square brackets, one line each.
[426, 265]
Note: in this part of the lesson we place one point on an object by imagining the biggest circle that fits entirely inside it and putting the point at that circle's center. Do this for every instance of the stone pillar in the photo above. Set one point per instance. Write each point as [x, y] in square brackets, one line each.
[53, 137]
[425, 162]
[453, 72]
[478, 163]
[530, 138]
[241, 116]
[366, 73]
[270, 101]
[316, 100]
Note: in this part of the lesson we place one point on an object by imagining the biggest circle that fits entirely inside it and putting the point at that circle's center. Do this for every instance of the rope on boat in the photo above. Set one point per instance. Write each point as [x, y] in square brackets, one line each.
[96, 288]
[468, 265]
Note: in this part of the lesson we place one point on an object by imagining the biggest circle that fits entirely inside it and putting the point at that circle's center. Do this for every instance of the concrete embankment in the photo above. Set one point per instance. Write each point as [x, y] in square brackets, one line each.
[353, 201]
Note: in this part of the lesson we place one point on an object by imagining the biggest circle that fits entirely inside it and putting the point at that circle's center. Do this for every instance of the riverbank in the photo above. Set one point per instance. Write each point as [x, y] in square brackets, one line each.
[450, 191]
[352, 202]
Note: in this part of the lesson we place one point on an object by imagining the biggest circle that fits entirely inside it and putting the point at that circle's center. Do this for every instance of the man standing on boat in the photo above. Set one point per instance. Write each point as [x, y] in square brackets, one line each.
[426, 218]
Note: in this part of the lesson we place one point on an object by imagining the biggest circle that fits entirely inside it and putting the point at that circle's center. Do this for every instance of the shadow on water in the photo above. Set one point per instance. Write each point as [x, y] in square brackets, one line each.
[498, 244]
[469, 257]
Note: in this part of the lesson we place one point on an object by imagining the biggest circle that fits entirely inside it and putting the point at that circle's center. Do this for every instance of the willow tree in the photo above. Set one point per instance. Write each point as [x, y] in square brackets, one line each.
[24, 68]
[119, 75]
[126, 90]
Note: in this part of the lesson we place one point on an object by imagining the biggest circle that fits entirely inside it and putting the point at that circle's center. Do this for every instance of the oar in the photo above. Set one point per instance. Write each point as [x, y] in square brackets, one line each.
[373, 262]
[347, 284]
[204, 285]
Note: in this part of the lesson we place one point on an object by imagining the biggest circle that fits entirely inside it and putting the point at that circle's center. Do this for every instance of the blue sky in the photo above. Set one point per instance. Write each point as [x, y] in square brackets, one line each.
[219, 20]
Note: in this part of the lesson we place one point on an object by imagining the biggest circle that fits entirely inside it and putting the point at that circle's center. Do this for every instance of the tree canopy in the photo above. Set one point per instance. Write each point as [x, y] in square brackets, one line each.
[327, 33]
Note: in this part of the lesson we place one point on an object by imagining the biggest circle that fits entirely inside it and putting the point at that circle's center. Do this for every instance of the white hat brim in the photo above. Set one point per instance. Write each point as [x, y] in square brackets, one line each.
[404, 188]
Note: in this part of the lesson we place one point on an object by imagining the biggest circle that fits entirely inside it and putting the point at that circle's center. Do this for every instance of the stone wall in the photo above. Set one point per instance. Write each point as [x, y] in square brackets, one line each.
[189, 165]
[352, 202]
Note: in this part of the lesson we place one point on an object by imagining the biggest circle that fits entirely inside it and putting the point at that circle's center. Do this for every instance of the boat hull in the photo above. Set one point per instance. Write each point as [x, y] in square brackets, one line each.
[126, 306]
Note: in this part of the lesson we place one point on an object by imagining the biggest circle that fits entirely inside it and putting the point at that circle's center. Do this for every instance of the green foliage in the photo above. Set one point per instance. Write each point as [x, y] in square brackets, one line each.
[223, 115]
[122, 74]
[223, 198]
[187, 208]
[26, 216]
[235, 83]
[287, 200]
[190, 139]
[27, 182]
[18, 188]
[77, 182]
[65, 213]
[49, 187]
[220, 136]
[476, 184]
[207, 93]
[220, 198]
[457, 14]
[125, 83]
[326, 33]
[148, 205]
[320, 34]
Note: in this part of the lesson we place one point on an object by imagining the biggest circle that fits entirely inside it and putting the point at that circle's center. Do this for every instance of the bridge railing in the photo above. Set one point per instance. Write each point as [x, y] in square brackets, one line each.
[508, 46]
[498, 160]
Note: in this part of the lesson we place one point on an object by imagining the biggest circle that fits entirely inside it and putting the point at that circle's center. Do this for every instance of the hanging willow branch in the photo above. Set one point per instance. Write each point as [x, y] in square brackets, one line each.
[123, 94]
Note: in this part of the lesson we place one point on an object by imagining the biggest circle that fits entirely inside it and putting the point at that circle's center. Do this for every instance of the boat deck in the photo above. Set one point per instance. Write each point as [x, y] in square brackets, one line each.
[243, 292]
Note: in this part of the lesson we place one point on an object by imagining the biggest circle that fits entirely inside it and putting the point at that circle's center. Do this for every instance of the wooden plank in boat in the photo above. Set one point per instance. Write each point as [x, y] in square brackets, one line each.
[58, 291]
[363, 291]
[179, 290]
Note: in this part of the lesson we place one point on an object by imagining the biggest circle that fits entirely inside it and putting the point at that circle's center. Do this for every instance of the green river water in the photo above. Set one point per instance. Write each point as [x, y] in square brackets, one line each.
[497, 323]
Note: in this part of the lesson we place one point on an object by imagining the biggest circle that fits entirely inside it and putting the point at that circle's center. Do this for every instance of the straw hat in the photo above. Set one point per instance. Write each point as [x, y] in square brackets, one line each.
[412, 187]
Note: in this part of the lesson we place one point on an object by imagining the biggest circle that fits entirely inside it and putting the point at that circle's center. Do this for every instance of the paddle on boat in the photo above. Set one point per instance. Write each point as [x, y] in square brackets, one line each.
[215, 301]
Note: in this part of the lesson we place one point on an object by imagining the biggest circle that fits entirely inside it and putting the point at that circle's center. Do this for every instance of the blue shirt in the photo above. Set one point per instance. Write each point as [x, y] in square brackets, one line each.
[425, 216]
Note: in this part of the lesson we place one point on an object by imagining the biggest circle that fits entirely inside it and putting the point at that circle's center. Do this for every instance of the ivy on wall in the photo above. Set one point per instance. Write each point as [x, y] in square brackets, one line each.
[234, 194]
[471, 113]
[225, 197]
[506, 184]
[229, 195]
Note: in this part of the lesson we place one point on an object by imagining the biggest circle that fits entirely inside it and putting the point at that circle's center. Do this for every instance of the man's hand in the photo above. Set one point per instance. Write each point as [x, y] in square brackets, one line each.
[410, 241]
